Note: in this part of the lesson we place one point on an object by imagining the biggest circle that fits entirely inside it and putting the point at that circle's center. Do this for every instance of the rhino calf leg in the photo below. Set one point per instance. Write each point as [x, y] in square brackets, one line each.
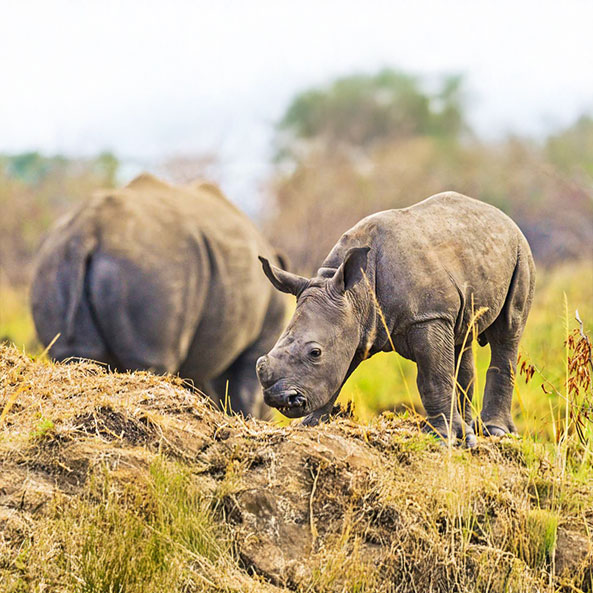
[504, 335]
[465, 381]
[432, 347]
[321, 415]
[496, 411]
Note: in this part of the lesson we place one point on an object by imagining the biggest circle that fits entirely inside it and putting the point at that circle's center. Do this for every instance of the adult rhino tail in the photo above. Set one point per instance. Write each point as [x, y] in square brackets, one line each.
[59, 299]
[81, 250]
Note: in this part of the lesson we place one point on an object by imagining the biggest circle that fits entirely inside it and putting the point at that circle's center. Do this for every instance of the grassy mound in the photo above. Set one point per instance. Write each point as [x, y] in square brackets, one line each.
[132, 483]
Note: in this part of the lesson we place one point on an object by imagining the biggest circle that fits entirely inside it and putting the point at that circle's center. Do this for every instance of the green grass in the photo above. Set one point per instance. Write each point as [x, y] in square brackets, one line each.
[158, 534]
[16, 323]
[44, 427]
[541, 529]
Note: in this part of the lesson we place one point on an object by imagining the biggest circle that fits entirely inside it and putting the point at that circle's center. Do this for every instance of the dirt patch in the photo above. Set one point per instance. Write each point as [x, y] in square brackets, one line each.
[341, 507]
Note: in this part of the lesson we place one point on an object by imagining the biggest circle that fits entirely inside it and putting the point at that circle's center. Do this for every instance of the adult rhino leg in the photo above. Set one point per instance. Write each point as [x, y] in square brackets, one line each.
[432, 347]
[238, 388]
[244, 389]
[465, 381]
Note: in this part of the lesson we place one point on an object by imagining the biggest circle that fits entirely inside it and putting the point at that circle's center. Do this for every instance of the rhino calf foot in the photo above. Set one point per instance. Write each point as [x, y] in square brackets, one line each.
[313, 420]
[462, 432]
[471, 440]
[493, 428]
[320, 415]
[494, 431]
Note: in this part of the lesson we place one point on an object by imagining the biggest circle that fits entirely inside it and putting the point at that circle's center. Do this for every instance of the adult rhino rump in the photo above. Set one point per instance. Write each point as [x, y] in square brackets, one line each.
[158, 277]
[428, 269]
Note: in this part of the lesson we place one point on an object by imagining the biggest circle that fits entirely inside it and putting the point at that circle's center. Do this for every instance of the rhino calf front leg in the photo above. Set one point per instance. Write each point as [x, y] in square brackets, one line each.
[432, 347]
[465, 381]
[321, 415]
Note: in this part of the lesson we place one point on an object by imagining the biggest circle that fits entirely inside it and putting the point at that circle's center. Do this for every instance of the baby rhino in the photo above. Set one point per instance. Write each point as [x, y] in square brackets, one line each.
[429, 270]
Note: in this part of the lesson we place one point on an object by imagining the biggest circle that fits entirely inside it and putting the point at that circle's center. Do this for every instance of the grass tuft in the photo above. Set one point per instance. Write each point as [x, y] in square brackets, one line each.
[541, 530]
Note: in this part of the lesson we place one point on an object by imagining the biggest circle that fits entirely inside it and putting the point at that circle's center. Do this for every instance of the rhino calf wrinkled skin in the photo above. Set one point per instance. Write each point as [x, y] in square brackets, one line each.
[431, 267]
[163, 278]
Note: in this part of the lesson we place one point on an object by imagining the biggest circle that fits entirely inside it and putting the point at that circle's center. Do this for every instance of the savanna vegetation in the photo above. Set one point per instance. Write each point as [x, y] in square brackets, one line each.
[132, 483]
[125, 483]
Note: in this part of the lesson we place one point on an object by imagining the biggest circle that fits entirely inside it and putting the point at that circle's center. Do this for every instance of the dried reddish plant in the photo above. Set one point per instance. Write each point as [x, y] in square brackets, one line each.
[578, 385]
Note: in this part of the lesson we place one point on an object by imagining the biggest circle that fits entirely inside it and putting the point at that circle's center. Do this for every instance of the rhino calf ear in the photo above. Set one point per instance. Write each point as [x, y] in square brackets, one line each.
[283, 281]
[352, 270]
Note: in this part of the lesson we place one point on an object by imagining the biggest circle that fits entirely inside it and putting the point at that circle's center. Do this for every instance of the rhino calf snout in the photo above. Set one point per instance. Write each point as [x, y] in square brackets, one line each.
[281, 398]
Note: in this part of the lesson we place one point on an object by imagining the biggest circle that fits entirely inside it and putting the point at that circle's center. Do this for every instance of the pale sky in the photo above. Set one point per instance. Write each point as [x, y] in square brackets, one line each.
[148, 79]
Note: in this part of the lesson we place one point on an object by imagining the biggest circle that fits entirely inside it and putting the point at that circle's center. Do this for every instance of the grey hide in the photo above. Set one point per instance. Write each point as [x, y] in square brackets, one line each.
[431, 267]
[165, 278]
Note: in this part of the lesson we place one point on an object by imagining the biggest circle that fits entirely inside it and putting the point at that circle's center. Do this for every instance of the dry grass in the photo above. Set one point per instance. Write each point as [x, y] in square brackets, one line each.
[131, 483]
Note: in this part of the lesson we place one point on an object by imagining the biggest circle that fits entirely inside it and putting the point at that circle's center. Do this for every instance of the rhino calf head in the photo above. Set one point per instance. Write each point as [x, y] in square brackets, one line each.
[306, 368]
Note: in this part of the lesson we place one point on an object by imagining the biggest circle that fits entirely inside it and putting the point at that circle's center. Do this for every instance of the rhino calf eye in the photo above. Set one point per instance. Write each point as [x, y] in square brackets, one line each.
[315, 353]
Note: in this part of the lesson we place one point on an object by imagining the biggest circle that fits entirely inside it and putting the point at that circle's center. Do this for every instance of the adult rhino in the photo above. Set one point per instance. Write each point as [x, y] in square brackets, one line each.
[428, 268]
[165, 278]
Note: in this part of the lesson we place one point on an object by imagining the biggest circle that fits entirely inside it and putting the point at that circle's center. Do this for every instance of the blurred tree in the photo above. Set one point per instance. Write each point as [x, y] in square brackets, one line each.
[369, 142]
[34, 191]
[360, 111]
[29, 167]
[107, 167]
[572, 149]
[185, 168]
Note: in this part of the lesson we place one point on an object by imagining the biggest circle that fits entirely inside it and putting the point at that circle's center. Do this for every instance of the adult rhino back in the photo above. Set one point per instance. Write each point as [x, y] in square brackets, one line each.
[167, 280]
[412, 279]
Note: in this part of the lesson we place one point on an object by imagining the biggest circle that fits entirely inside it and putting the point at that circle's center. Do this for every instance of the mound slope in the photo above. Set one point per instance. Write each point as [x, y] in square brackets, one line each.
[131, 482]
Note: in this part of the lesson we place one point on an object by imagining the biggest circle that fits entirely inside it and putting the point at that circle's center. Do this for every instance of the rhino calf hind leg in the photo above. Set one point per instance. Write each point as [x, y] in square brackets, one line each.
[504, 335]
[432, 347]
[496, 411]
